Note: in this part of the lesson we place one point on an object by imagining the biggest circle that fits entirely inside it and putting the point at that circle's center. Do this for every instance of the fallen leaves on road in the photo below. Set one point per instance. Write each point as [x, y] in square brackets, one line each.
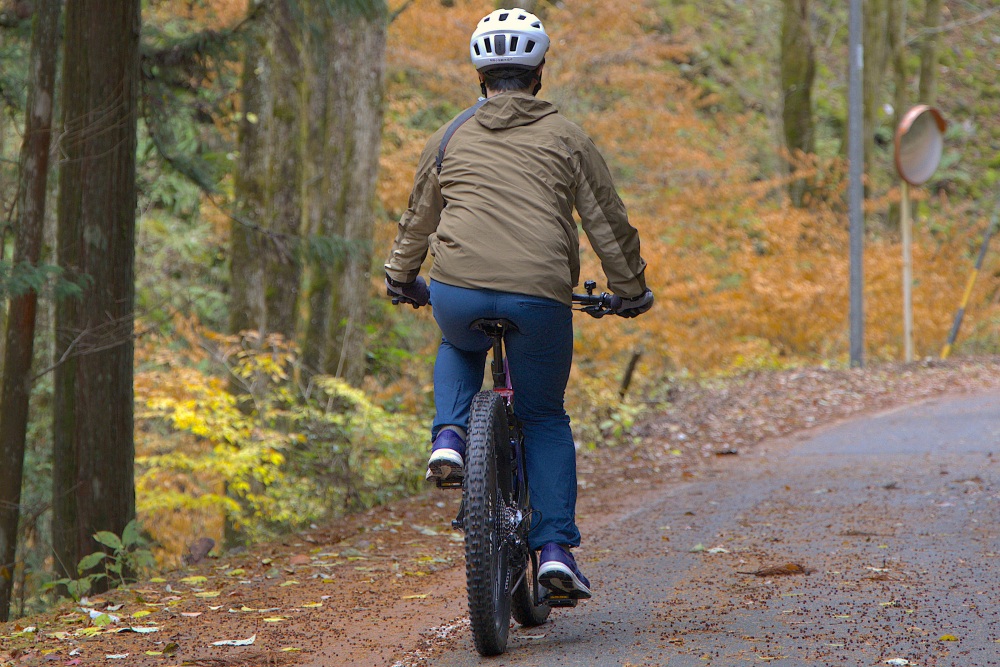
[236, 642]
[781, 570]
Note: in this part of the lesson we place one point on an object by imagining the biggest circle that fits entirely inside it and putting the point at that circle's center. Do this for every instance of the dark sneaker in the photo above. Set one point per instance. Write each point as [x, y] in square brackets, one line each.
[447, 462]
[557, 571]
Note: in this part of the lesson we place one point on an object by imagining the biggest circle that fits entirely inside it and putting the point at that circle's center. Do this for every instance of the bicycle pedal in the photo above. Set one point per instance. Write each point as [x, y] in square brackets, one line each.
[455, 484]
[558, 600]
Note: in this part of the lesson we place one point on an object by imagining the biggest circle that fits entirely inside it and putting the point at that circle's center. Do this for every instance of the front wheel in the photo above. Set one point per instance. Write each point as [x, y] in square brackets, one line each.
[486, 493]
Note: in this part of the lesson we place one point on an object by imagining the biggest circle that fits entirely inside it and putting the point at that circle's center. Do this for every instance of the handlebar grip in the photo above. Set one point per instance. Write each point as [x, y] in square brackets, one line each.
[596, 305]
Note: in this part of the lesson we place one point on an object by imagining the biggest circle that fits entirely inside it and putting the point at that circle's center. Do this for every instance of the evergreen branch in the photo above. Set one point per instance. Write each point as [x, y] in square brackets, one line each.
[188, 50]
[323, 248]
[12, 20]
[186, 168]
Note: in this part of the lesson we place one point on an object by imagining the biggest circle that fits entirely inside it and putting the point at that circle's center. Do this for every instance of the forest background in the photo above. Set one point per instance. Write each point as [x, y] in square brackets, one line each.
[275, 387]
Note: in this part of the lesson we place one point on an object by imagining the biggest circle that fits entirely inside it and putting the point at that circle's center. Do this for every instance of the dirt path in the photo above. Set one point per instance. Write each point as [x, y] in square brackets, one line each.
[387, 586]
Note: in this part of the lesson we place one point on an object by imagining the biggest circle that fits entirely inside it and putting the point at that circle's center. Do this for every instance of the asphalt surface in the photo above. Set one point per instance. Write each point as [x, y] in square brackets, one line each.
[896, 516]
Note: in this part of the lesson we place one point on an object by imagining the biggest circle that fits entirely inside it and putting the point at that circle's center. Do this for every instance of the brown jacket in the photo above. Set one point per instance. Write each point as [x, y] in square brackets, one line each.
[500, 215]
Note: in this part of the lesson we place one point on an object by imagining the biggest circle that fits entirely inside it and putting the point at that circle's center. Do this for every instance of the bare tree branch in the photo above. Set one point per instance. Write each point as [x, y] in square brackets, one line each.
[954, 25]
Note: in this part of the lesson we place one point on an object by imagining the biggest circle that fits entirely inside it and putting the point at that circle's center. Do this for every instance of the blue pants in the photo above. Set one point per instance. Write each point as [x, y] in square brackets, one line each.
[540, 354]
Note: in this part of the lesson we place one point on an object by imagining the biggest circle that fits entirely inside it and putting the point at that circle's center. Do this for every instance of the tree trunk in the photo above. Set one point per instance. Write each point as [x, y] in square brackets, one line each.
[798, 69]
[317, 177]
[266, 264]
[282, 268]
[342, 207]
[875, 44]
[246, 305]
[928, 53]
[526, 5]
[93, 445]
[20, 336]
[897, 56]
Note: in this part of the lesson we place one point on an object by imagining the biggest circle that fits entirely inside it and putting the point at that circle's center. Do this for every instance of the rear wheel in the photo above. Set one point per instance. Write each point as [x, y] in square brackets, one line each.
[524, 603]
[486, 492]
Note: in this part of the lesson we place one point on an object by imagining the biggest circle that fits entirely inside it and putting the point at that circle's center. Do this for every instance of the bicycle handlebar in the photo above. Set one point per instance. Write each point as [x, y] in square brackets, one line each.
[595, 305]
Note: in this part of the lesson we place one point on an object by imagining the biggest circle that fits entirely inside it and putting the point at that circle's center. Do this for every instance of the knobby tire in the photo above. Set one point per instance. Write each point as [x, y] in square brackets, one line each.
[487, 558]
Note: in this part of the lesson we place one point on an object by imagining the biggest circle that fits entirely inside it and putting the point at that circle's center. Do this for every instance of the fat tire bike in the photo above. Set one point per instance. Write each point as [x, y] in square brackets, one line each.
[495, 513]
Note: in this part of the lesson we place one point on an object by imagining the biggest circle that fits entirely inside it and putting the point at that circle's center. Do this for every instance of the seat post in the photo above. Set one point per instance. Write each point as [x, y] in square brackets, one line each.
[497, 365]
[496, 329]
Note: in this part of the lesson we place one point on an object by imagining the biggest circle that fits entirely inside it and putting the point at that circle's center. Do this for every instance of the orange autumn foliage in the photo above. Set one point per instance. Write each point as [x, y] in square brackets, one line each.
[742, 279]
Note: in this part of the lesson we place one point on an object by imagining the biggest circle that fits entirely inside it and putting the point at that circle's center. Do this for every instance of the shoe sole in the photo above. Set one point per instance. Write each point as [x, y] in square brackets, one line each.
[445, 468]
[560, 579]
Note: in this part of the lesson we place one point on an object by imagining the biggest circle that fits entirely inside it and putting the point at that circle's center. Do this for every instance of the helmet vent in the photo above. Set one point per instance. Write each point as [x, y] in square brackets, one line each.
[506, 38]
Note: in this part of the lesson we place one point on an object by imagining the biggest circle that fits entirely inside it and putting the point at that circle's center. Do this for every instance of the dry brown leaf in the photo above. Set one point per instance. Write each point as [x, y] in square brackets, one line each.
[781, 570]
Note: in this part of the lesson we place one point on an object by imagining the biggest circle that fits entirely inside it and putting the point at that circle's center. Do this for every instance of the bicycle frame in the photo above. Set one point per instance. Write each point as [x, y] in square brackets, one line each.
[500, 371]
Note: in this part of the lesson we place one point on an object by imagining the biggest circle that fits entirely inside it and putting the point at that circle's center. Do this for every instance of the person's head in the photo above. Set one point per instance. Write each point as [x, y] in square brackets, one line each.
[508, 50]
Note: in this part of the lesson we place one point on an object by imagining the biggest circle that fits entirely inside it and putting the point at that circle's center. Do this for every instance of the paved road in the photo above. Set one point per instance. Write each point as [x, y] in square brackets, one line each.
[897, 514]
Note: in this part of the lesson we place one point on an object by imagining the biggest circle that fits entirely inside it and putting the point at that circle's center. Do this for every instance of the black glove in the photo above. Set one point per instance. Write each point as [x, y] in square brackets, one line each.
[625, 307]
[415, 293]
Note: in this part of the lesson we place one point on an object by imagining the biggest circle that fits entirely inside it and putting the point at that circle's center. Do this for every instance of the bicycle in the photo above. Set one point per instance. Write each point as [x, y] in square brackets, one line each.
[495, 513]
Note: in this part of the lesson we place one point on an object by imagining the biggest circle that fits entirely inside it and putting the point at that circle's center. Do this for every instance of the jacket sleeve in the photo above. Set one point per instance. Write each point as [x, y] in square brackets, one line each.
[420, 220]
[606, 224]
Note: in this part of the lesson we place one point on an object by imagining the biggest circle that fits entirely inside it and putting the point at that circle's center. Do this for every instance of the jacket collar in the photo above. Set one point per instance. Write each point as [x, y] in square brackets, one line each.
[508, 110]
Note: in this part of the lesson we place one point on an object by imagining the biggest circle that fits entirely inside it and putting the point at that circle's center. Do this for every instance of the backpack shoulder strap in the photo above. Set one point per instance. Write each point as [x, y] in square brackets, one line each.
[457, 123]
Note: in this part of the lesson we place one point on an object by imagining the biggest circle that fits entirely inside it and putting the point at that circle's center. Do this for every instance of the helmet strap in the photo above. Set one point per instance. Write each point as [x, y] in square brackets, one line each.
[537, 83]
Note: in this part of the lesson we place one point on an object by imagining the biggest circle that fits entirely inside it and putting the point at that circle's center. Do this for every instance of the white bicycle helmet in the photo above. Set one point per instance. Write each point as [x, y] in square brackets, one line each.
[508, 37]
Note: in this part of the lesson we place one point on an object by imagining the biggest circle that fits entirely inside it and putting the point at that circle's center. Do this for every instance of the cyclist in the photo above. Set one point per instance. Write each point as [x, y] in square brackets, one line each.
[496, 213]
